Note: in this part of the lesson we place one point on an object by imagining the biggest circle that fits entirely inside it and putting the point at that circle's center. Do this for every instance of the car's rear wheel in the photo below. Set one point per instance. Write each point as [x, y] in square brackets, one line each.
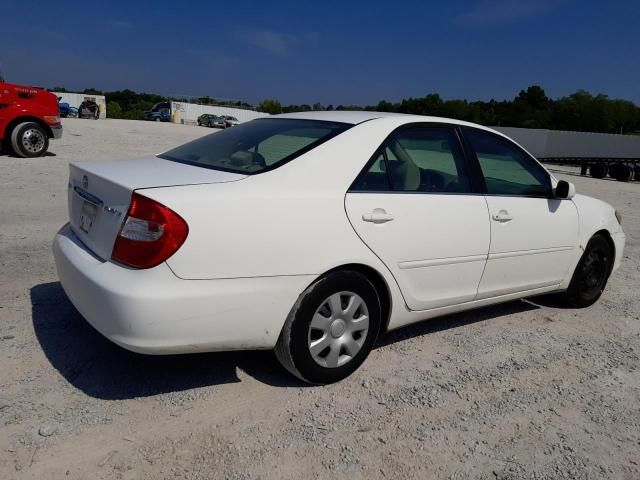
[331, 328]
[591, 274]
[29, 139]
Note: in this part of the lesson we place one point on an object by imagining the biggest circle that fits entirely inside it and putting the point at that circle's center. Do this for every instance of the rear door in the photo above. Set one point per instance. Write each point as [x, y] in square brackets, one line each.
[533, 234]
[415, 206]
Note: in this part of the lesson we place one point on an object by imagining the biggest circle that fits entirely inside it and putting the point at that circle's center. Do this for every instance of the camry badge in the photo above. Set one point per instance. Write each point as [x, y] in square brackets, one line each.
[112, 211]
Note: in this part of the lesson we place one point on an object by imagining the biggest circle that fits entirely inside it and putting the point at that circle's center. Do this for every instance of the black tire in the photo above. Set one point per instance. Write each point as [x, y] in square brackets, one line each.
[292, 349]
[591, 274]
[636, 173]
[29, 140]
[622, 173]
[598, 170]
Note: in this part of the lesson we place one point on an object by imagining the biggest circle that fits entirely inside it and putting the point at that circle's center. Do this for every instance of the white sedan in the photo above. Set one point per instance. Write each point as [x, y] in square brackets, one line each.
[313, 233]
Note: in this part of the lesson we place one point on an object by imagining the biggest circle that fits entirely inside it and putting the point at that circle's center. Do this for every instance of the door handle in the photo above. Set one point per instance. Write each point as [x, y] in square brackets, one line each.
[378, 215]
[502, 216]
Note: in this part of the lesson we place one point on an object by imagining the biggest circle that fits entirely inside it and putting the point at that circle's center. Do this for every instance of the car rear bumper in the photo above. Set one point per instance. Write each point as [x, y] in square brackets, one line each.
[153, 311]
[56, 131]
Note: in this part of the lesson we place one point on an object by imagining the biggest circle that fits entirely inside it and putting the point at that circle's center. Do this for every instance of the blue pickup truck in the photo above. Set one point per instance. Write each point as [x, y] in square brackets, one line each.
[67, 111]
[160, 112]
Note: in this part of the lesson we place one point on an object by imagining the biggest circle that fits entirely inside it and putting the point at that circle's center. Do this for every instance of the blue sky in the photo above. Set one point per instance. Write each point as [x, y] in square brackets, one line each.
[342, 52]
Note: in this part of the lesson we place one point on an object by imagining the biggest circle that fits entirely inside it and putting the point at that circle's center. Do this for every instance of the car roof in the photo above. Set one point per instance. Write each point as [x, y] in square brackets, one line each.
[355, 117]
[359, 116]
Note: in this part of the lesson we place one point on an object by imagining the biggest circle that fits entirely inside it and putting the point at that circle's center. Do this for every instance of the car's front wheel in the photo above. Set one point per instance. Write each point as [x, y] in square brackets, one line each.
[591, 274]
[331, 328]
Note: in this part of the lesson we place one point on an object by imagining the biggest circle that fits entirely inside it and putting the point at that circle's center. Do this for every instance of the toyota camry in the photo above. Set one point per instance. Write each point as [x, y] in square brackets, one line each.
[314, 233]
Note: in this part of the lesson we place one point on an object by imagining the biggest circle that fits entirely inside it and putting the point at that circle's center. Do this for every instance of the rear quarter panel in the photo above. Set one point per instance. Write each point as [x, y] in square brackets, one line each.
[289, 221]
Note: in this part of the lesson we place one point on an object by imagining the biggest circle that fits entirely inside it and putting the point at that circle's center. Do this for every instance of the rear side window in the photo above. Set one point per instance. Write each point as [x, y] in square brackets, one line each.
[375, 178]
[256, 146]
[507, 170]
[418, 159]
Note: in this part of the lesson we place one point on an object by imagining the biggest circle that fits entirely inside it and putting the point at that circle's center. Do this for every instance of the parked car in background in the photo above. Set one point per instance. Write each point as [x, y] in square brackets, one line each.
[210, 120]
[162, 115]
[29, 117]
[67, 111]
[312, 233]
[160, 112]
[89, 109]
[230, 121]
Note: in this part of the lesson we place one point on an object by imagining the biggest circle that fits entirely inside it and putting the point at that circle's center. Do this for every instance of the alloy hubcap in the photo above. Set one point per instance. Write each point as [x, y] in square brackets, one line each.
[32, 140]
[338, 329]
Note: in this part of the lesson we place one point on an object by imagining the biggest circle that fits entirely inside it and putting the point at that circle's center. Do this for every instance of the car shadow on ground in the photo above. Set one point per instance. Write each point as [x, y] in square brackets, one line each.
[456, 320]
[7, 153]
[101, 369]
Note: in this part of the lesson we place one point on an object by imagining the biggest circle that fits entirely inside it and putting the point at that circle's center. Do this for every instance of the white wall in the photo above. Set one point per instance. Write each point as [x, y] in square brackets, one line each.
[189, 112]
[75, 99]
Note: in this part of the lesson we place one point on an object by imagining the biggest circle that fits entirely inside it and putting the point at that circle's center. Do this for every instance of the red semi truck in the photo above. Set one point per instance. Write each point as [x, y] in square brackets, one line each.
[29, 117]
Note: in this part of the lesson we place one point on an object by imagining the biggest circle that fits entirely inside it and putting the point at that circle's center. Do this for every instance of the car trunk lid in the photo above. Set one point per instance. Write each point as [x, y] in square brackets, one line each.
[99, 193]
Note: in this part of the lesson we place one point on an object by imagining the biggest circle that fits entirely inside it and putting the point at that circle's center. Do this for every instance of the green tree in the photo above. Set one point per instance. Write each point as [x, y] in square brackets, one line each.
[270, 106]
[114, 110]
[384, 106]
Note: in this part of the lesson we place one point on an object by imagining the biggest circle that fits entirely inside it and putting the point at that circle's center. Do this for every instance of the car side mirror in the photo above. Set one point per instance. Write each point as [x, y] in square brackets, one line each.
[565, 189]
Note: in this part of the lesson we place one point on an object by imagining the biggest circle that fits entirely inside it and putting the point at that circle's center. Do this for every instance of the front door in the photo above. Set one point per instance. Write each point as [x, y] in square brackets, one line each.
[415, 208]
[533, 235]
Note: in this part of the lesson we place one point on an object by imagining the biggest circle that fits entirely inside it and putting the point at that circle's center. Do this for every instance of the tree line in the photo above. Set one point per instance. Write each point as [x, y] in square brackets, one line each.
[531, 108]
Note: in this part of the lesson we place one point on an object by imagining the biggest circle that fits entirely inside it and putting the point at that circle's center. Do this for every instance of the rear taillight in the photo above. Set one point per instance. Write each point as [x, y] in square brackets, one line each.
[150, 234]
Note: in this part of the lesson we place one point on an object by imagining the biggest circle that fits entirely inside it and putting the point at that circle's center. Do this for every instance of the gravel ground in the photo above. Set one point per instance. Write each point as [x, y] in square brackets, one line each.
[520, 390]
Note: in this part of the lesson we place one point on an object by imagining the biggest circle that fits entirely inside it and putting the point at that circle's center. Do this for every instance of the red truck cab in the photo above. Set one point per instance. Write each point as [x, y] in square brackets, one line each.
[29, 117]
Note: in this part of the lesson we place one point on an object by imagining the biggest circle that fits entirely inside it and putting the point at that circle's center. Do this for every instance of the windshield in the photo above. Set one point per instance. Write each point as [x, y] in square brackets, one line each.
[256, 146]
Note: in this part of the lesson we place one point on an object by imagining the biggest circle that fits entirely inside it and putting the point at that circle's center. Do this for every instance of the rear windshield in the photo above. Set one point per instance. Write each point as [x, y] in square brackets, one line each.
[256, 146]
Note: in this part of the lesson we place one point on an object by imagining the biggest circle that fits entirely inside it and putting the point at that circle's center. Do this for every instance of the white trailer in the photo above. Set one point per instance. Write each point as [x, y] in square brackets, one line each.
[598, 154]
[75, 99]
[188, 113]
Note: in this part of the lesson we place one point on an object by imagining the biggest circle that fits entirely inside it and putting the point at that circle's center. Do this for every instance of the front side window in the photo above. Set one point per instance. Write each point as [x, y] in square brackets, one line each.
[507, 170]
[418, 159]
[256, 146]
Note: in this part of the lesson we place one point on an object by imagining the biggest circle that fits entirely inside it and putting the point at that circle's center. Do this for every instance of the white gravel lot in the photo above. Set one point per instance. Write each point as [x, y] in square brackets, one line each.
[521, 390]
